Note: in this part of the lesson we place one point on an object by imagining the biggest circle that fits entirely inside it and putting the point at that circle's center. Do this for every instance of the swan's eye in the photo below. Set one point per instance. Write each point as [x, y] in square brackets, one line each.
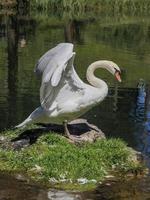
[117, 75]
[116, 70]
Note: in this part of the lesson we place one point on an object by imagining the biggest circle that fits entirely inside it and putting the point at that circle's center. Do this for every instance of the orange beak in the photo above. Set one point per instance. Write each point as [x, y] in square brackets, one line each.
[117, 75]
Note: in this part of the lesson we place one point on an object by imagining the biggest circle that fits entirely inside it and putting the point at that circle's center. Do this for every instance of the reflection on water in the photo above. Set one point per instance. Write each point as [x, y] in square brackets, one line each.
[24, 41]
[125, 112]
[147, 126]
[133, 189]
[142, 117]
[14, 189]
[113, 115]
[17, 189]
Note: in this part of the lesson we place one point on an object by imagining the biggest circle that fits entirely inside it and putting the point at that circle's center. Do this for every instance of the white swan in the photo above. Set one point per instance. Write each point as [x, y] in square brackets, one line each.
[63, 95]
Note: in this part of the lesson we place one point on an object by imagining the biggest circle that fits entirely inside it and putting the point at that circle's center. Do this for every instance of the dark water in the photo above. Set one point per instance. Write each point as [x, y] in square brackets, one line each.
[25, 36]
[13, 189]
[16, 189]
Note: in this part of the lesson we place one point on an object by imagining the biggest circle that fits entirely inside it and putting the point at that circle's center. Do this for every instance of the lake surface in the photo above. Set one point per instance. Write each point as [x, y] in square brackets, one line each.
[125, 40]
[25, 36]
[16, 188]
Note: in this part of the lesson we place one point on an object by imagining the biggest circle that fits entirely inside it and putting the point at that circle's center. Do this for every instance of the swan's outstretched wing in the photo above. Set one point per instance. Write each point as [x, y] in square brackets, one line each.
[56, 67]
[53, 62]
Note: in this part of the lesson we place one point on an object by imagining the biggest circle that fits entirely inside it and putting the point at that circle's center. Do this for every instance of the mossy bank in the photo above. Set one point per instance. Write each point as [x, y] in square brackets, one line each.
[56, 162]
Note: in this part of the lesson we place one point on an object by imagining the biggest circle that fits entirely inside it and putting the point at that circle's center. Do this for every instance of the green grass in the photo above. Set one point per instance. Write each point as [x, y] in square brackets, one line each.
[57, 158]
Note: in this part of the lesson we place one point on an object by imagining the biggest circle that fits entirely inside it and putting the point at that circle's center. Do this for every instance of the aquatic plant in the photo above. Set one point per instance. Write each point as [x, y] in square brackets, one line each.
[101, 5]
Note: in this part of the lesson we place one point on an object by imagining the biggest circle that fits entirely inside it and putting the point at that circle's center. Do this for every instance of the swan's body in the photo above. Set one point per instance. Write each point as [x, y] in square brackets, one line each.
[63, 95]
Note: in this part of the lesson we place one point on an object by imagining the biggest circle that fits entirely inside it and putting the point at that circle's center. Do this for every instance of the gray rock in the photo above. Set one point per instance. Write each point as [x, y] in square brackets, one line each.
[62, 195]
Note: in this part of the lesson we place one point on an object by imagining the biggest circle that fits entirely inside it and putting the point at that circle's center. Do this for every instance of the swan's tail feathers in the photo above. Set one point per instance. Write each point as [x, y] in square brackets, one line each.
[24, 123]
[34, 117]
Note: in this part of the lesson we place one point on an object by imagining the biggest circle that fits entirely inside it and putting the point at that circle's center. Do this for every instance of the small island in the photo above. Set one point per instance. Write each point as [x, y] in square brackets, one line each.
[51, 159]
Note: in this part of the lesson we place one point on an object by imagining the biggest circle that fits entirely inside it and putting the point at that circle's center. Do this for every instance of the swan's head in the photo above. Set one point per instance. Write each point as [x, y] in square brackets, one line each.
[105, 64]
[114, 70]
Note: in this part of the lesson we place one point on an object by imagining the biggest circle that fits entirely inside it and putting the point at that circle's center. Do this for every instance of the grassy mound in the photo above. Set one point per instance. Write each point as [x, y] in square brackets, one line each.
[53, 159]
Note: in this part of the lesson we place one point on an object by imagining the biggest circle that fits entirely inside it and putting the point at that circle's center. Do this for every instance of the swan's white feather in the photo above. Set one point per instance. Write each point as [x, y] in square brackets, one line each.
[58, 73]
[52, 55]
[63, 95]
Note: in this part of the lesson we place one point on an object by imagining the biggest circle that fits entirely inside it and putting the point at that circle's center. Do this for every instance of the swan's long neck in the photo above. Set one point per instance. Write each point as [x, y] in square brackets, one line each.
[92, 79]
